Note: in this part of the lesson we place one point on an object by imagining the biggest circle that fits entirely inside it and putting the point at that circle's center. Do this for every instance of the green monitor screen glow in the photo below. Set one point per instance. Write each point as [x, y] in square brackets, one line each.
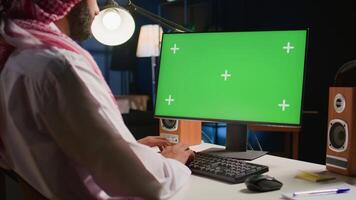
[250, 77]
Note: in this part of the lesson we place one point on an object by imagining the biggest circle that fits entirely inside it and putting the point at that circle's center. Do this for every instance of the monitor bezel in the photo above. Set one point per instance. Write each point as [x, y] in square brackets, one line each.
[297, 125]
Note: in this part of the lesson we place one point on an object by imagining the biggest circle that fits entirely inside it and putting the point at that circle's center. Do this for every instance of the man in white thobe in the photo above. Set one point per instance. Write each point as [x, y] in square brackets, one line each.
[61, 129]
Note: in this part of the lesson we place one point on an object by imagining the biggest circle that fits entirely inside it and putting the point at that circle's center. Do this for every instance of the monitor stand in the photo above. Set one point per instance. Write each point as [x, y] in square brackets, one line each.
[236, 144]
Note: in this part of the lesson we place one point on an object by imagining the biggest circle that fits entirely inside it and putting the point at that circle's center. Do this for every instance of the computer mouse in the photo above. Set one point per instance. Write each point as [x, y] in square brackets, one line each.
[262, 183]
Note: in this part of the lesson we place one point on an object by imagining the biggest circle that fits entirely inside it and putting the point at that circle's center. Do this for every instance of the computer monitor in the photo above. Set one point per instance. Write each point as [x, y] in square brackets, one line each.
[249, 77]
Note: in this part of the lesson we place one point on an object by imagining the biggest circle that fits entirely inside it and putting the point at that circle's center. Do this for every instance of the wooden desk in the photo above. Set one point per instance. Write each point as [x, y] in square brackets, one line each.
[293, 131]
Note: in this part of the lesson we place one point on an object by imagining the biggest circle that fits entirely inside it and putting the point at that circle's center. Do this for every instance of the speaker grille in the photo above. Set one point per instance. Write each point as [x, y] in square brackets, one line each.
[169, 124]
[338, 135]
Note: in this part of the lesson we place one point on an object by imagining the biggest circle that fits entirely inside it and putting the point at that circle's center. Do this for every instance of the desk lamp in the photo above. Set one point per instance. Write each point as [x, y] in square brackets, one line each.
[114, 25]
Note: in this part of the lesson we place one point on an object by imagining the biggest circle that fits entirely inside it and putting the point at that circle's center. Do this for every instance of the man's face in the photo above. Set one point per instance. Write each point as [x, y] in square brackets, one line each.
[80, 19]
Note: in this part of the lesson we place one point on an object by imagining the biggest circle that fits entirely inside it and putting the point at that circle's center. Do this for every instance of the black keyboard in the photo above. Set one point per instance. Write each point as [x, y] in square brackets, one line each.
[230, 170]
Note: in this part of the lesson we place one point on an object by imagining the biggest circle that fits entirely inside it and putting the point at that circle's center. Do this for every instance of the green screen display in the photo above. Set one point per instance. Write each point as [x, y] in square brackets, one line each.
[232, 76]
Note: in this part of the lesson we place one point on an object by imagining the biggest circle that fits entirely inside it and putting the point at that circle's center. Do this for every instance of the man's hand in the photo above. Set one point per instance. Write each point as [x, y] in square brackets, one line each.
[153, 141]
[180, 152]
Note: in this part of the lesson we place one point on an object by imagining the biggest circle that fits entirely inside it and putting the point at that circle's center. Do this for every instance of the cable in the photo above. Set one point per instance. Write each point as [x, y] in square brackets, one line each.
[248, 143]
[258, 142]
[250, 146]
[207, 137]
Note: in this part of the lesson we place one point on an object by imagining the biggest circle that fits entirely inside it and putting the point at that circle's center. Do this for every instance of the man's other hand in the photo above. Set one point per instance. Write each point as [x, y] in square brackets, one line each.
[180, 152]
[155, 141]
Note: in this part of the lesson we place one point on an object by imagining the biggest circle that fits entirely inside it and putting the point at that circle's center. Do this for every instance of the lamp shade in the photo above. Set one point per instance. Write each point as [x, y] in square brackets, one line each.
[113, 26]
[149, 41]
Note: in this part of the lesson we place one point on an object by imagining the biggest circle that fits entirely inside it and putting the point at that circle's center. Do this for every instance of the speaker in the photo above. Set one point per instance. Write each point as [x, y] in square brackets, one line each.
[341, 141]
[181, 131]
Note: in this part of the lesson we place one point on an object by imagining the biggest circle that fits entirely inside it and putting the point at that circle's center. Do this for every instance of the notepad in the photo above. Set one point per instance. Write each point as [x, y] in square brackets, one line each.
[314, 177]
[345, 196]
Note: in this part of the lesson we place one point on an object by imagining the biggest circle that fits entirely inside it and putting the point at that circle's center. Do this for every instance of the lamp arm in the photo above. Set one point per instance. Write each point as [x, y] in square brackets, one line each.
[158, 19]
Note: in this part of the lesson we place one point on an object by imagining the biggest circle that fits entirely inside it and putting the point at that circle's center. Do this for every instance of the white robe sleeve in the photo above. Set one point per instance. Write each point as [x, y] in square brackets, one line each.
[81, 126]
